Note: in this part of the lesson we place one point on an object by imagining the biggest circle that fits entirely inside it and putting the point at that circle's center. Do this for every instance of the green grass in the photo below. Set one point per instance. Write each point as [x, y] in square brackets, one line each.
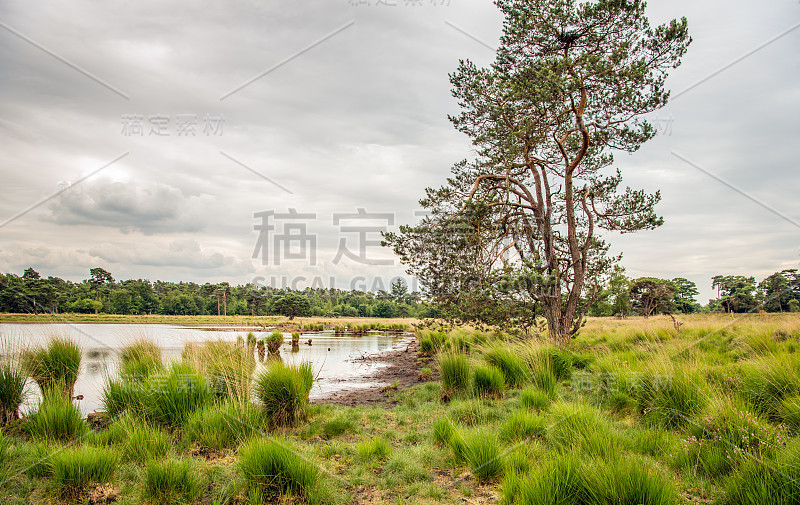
[274, 342]
[12, 392]
[170, 397]
[442, 430]
[515, 371]
[74, 469]
[535, 399]
[54, 366]
[270, 466]
[671, 397]
[454, 371]
[482, 453]
[760, 482]
[338, 426]
[224, 426]
[121, 395]
[376, 448]
[140, 359]
[581, 427]
[521, 425]
[172, 482]
[488, 382]
[56, 419]
[283, 392]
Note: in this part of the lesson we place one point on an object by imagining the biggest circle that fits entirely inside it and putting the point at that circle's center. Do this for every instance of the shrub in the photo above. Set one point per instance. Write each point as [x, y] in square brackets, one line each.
[377, 448]
[12, 392]
[488, 382]
[171, 482]
[73, 469]
[57, 418]
[515, 371]
[225, 426]
[140, 359]
[535, 399]
[482, 453]
[522, 424]
[283, 391]
[454, 372]
[271, 467]
[54, 367]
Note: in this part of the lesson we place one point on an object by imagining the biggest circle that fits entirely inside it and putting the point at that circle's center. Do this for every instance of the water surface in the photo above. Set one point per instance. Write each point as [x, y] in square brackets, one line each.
[334, 358]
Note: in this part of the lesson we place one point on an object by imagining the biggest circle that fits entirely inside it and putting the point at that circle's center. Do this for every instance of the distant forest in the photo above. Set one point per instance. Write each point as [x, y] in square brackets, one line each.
[619, 295]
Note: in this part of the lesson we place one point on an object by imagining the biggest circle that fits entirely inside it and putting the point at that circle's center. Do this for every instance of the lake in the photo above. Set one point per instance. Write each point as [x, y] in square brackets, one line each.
[334, 358]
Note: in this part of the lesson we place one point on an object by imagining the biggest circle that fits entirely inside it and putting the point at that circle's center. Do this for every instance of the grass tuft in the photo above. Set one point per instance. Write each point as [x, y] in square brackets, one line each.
[488, 382]
[54, 366]
[283, 391]
[171, 482]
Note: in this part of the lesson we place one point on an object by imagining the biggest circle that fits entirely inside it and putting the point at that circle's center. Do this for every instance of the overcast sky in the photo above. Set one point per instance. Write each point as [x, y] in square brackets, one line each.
[331, 106]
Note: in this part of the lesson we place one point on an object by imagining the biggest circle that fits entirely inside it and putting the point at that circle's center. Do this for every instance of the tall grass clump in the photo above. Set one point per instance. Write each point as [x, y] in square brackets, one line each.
[760, 482]
[122, 395]
[54, 366]
[225, 426]
[74, 469]
[170, 397]
[283, 391]
[515, 371]
[274, 342]
[377, 448]
[488, 382]
[135, 440]
[228, 365]
[442, 430]
[56, 419]
[171, 482]
[535, 399]
[482, 453]
[140, 359]
[581, 427]
[521, 425]
[454, 371]
[271, 467]
[12, 392]
[669, 397]
[768, 381]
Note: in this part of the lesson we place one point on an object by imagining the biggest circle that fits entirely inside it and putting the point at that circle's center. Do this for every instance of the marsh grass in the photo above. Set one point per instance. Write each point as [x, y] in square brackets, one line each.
[169, 398]
[283, 391]
[376, 448]
[271, 467]
[535, 399]
[454, 370]
[766, 482]
[488, 382]
[75, 468]
[521, 425]
[669, 395]
[12, 391]
[140, 359]
[172, 482]
[54, 366]
[482, 453]
[581, 427]
[507, 359]
[224, 426]
[229, 367]
[56, 419]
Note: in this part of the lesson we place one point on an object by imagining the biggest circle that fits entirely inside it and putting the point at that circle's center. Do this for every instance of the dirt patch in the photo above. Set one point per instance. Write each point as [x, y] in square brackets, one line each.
[207, 453]
[105, 493]
[403, 369]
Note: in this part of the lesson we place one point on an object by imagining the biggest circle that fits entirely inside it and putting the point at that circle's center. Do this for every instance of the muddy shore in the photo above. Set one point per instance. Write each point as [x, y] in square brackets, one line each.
[403, 368]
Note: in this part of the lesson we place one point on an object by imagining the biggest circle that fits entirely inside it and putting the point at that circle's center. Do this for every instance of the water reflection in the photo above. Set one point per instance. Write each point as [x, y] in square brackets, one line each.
[334, 359]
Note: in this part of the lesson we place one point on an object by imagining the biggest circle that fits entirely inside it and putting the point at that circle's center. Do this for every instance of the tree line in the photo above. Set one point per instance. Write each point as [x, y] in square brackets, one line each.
[31, 293]
[617, 295]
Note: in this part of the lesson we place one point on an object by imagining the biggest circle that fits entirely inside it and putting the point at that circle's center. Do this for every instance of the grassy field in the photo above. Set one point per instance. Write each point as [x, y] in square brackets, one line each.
[632, 412]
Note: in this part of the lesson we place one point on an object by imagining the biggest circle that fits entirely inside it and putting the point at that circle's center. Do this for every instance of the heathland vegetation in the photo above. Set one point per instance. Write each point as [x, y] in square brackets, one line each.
[632, 411]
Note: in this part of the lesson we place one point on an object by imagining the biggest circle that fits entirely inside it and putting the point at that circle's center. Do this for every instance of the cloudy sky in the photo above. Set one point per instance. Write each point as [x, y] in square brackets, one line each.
[328, 107]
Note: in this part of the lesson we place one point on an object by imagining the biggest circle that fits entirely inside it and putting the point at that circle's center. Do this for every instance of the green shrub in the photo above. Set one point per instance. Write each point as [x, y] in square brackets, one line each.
[522, 424]
[482, 453]
[171, 482]
[515, 371]
[670, 400]
[57, 418]
[377, 448]
[223, 426]
[74, 469]
[138, 360]
[454, 372]
[283, 391]
[488, 382]
[535, 399]
[54, 367]
[12, 392]
[270, 466]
